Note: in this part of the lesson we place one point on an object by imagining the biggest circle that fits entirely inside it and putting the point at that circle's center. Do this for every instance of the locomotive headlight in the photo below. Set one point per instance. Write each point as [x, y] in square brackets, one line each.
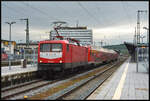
[60, 61]
[40, 61]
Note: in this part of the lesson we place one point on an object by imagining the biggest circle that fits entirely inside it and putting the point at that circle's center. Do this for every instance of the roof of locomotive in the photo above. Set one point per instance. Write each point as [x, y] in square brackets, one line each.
[58, 41]
[54, 41]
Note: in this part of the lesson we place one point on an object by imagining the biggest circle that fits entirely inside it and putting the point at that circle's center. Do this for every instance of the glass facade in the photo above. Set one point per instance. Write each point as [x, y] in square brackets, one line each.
[84, 36]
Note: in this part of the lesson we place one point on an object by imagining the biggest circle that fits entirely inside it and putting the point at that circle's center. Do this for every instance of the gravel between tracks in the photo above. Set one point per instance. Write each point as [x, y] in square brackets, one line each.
[45, 88]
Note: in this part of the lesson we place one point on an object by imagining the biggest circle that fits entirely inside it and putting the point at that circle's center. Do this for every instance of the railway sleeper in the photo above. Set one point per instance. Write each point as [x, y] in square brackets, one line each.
[6, 84]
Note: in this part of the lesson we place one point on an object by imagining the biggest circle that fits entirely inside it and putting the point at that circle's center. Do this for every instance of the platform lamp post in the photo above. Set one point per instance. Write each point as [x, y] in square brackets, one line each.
[138, 34]
[27, 31]
[147, 33]
[102, 43]
[10, 23]
[147, 40]
[142, 37]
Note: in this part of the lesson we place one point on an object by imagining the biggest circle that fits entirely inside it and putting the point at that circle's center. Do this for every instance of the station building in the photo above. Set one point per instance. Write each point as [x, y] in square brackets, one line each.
[142, 50]
[5, 46]
[21, 47]
[24, 45]
[82, 34]
[16, 47]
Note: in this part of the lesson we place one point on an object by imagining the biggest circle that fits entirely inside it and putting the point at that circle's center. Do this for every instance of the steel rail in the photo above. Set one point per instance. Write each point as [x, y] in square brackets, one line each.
[19, 85]
[80, 85]
[82, 96]
[57, 93]
[27, 89]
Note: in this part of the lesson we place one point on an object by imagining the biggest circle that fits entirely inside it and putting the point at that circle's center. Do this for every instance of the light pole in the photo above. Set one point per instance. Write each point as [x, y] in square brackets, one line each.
[147, 33]
[27, 31]
[138, 24]
[10, 23]
[134, 37]
[101, 43]
[147, 41]
[142, 37]
[138, 35]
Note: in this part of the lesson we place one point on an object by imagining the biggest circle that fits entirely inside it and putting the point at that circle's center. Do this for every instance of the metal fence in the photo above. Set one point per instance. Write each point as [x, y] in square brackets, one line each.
[30, 55]
[143, 57]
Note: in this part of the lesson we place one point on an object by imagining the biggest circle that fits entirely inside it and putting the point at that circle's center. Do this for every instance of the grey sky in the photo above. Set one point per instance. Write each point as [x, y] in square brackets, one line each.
[112, 21]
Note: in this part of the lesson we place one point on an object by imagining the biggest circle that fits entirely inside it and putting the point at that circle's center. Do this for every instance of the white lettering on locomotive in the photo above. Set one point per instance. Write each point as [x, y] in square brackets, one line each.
[50, 55]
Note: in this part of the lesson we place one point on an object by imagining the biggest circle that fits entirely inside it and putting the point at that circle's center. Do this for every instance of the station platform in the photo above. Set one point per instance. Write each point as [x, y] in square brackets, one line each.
[125, 84]
[5, 71]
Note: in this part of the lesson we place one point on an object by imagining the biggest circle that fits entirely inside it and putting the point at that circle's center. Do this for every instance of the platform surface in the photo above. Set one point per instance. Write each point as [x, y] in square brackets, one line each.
[17, 69]
[125, 84]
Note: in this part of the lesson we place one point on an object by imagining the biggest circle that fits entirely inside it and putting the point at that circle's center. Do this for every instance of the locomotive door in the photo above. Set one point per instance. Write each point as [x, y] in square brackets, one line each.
[86, 57]
[68, 57]
[71, 65]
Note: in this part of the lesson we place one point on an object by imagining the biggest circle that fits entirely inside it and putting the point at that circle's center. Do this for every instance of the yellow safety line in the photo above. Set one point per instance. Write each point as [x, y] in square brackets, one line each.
[120, 85]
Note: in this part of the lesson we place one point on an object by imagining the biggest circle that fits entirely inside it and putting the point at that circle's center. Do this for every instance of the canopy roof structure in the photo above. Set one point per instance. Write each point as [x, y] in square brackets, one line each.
[132, 49]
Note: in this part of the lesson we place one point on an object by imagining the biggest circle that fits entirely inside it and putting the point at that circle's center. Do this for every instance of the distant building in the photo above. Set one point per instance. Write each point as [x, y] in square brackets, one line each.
[82, 34]
[24, 45]
[5, 46]
[21, 47]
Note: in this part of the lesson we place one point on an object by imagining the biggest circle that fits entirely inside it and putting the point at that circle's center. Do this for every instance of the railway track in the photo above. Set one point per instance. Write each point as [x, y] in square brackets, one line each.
[67, 89]
[10, 92]
[58, 91]
[19, 85]
[20, 89]
[83, 91]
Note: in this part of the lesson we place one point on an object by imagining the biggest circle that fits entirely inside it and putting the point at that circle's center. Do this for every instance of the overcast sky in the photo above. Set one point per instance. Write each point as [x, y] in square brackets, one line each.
[112, 21]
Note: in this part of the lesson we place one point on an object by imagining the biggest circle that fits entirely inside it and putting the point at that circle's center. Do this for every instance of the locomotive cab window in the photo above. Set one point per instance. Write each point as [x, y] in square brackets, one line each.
[50, 47]
[45, 47]
[56, 47]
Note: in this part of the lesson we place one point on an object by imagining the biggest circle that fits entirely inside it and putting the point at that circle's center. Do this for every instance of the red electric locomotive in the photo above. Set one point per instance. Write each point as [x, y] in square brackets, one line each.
[59, 55]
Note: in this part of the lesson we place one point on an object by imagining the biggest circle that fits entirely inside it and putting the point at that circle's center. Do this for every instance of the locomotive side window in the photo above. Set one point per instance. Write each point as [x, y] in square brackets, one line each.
[67, 47]
[57, 47]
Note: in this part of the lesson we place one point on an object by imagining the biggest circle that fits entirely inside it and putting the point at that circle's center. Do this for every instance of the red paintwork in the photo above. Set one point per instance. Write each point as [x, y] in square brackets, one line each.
[77, 54]
[74, 55]
[63, 42]
[98, 56]
[49, 60]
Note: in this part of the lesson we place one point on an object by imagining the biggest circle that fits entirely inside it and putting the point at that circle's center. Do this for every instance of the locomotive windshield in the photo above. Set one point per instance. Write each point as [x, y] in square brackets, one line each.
[48, 47]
